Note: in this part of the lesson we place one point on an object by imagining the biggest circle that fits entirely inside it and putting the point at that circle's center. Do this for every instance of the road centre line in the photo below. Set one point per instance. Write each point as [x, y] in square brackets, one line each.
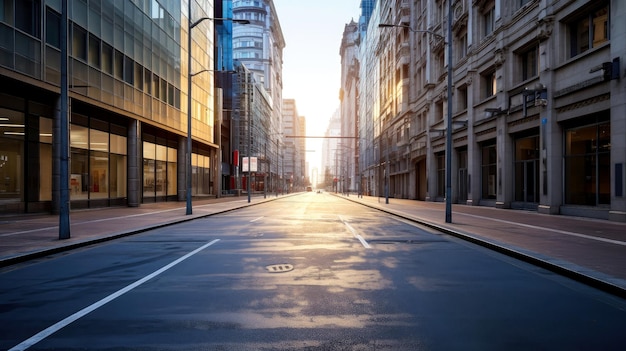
[356, 235]
[76, 316]
[256, 219]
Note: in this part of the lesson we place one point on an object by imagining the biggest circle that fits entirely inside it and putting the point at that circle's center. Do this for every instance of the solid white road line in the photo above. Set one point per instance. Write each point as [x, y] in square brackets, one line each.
[596, 238]
[356, 235]
[256, 219]
[59, 325]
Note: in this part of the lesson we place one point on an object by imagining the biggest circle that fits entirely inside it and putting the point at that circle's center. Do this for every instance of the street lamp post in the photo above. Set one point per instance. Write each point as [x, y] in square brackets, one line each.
[448, 42]
[190, 26]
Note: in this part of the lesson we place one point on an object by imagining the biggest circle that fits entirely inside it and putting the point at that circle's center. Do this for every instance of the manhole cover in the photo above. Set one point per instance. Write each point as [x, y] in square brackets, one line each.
[279, 268]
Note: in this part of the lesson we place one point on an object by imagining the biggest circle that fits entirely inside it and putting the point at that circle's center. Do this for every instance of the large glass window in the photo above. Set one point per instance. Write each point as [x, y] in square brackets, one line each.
[11, 155]
[159, 170]
[588, 165]
[45, 159]
[117, 165]
[98, 164]
[171, 171]
[79, 168]
[489, 175]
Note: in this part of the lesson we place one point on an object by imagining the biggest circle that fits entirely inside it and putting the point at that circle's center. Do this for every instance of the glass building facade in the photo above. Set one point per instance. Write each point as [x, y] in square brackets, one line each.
[127, 73]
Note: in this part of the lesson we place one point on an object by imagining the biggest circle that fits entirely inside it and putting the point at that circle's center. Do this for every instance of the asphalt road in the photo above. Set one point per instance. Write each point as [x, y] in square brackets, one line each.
[308, 272]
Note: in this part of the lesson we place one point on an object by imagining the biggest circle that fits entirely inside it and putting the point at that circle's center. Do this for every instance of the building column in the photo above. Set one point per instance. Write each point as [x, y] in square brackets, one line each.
[618, 118]
[57, 144]
[504, 167]
[134, 163]
[551, 176]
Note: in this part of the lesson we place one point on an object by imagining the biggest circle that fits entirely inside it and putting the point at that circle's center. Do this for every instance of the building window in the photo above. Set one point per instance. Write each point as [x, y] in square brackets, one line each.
[588, 165]
[488, 168]
[489, 21]
[107, 58]
[441, 64]
[79, 43]
[28, 16]
[6, 11]
[461, 46]
[94, 51]
[53, 28]
[589, 30]
[523, 2]
[439, 111]
[461, 101]
[529, 61]
[489, 84]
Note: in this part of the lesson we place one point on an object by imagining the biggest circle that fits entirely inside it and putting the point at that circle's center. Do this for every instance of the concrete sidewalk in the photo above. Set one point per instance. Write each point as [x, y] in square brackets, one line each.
[591, 251]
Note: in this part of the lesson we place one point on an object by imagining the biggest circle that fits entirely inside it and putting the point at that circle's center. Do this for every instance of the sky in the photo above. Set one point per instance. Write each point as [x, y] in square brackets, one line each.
[313, 31]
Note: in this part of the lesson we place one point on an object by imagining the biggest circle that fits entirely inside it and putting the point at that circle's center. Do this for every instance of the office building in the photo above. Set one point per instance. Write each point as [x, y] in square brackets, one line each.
[127, 79]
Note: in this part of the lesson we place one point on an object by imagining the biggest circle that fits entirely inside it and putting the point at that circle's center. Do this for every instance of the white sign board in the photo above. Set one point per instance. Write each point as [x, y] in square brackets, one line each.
[253, 164]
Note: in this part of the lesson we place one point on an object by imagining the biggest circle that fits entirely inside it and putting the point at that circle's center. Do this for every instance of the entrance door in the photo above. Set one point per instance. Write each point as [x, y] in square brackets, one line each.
[527, 183]
[527, 173]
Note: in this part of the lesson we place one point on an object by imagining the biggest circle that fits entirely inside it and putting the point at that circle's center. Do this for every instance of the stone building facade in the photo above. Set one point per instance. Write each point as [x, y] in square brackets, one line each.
[538, 103]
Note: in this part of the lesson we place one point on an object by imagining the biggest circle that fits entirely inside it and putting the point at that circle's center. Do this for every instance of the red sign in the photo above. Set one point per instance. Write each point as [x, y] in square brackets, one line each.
[236, 158]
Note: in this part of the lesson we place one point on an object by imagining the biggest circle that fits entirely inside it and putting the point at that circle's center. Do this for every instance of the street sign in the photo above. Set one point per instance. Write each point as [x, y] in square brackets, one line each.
[253, 164]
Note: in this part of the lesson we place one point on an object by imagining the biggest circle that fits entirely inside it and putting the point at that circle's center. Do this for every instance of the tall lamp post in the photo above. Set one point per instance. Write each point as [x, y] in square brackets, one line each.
[449, 116]
[190, 25]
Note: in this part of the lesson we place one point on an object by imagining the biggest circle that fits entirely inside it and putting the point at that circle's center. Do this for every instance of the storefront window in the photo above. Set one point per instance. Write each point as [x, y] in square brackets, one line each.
[11, 155]
[98, 164]
[587, 165]
[117, 166]
[79, 168]
[171, 171]
[159, 170]
[149, 161]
